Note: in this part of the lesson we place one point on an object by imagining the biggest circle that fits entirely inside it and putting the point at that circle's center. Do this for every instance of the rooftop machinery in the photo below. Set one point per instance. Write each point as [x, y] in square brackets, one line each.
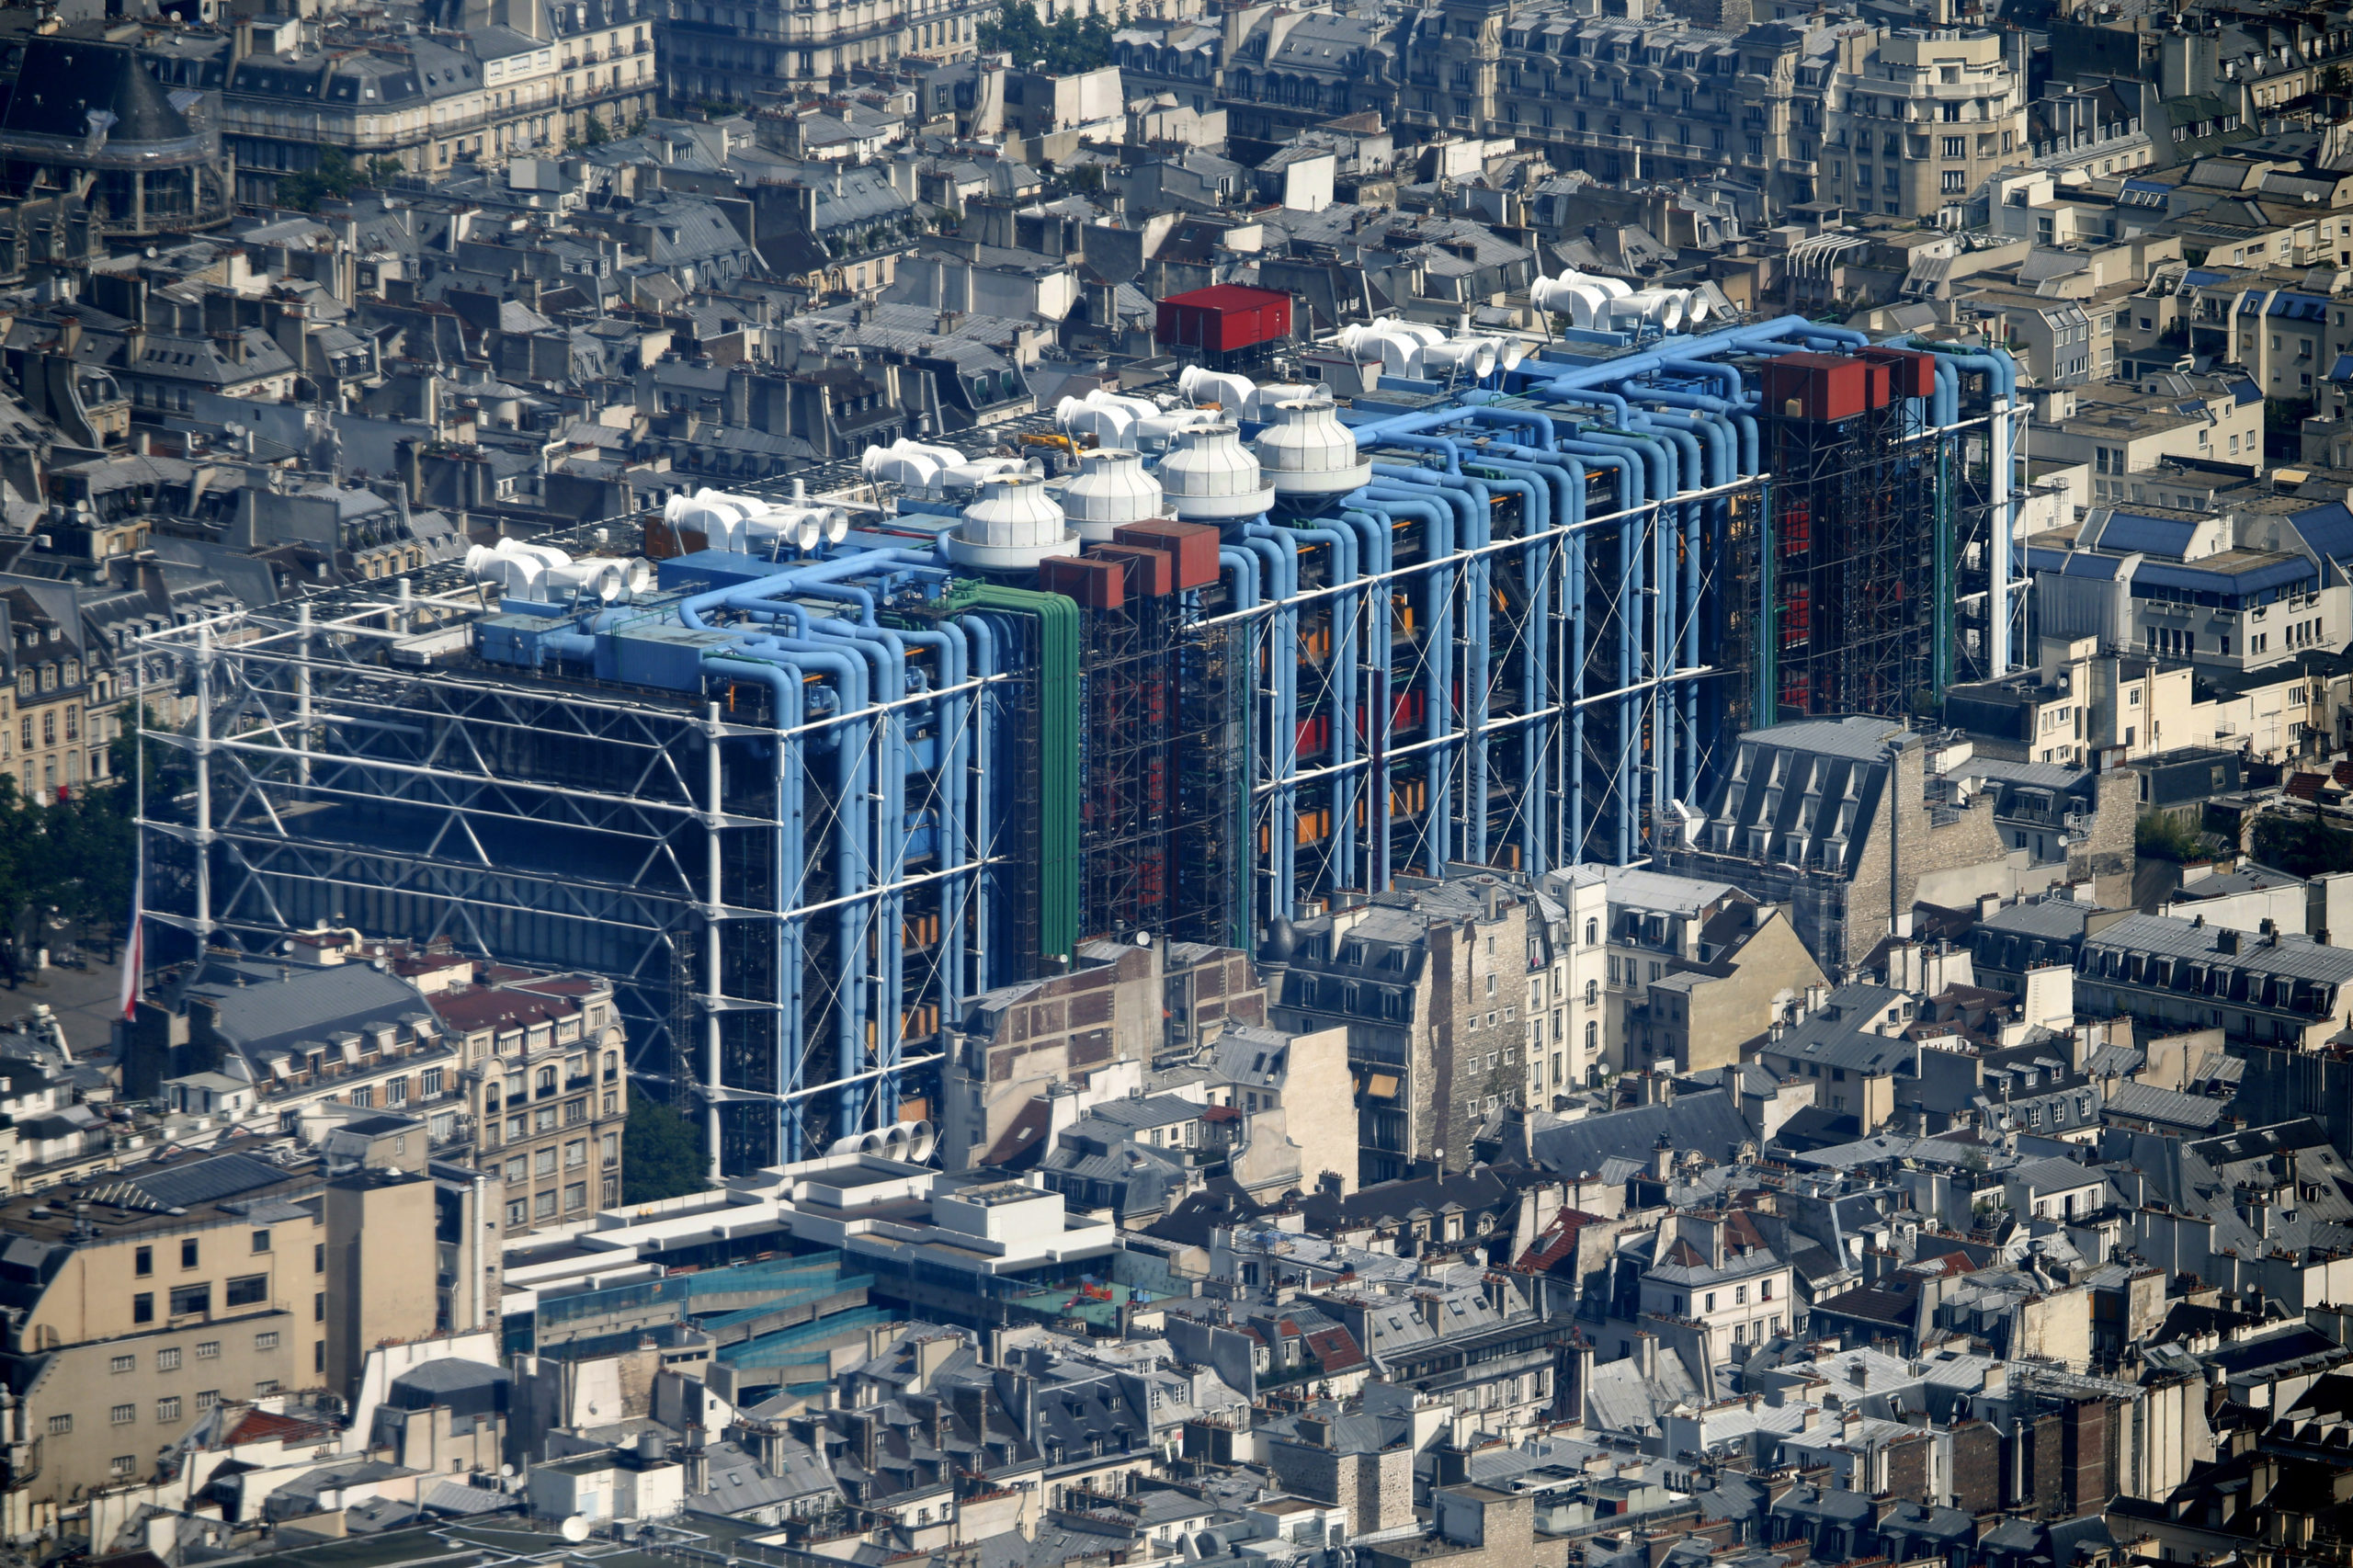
[833, 766]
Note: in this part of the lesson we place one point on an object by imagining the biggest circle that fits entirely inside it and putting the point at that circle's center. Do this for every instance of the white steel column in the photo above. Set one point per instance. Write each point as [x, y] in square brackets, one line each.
[203, 784]
[716, 896]
[2002, 532]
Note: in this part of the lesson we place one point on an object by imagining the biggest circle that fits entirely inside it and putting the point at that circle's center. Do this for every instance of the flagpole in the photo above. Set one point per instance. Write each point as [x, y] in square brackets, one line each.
[134, 957]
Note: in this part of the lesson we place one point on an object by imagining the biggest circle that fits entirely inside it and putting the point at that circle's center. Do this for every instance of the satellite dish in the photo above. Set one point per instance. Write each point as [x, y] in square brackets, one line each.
[575, 1528]
[506, 1472]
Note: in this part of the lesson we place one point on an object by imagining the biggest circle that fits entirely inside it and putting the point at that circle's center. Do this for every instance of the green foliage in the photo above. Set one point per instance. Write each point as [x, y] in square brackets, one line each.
[66, 864]
[1067, 43]
[661, 1154]
[337, 176]
[2157, 836]
[2283, 423]
[595, 133]
[2301, 845]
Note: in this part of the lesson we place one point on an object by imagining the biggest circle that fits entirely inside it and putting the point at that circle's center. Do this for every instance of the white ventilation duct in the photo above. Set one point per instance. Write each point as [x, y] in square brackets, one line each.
[1013, 526]
[966, 476]
[1137, 408]
[1582, 304]
[1158, 433]
[1583, 296]
[605, 580]
[1109, 425]
[1661, 308]
[1263, 400]
[545, 554]
[1110, 491]
[1472, 356]
[912, 465]
[923, 1143]
[515, 576]
[1230, 392]
[1211, 476]
[1305, 450]
[717, 514]
[801, 526]
[1110, 418]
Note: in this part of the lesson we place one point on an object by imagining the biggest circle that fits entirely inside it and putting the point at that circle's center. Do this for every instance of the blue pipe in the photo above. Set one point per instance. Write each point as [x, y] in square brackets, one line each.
[852, 849]
[1632, 493]
[1375, 525]
[1282, 558]
[1445, 446]
[856, 564]
[1734, 391]
[1721, 463]
[1437, 644]
[1764, 334]
[1342, 681]
[1539, 516]
[886, 865]
[949, 853]
[1245, 567]
[1741, 420]
[982, 662]
[1482, 414]
[788, 689]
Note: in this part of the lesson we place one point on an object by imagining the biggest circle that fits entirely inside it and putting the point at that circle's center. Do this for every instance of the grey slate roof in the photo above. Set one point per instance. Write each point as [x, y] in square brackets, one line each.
[309, 1004]
[2171, 1108]
[1708, 1123]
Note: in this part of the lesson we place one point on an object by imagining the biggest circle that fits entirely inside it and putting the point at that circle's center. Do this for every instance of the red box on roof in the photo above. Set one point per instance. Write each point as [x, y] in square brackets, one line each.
[1095, 583]
[1815, 386]
[1876, 382]
[1914, 373]
[1194, 545]
[1154, 573]
[1223, 318]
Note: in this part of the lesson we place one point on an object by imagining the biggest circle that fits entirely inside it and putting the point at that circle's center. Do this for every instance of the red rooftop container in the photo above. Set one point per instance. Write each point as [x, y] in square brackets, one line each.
[1224, 318]
[1815, 386]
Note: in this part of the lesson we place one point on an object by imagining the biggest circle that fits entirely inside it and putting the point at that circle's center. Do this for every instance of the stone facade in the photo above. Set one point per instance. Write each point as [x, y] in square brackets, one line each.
[1123, 1007]
[1432, 981]
[1833, 819]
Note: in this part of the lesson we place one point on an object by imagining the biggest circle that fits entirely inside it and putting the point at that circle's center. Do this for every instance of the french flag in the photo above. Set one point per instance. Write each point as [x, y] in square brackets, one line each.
[134, 947]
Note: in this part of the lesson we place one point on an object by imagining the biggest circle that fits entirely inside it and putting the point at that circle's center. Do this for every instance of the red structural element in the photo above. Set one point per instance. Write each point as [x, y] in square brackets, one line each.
[1314, 734]
[1193, 544]
[1155, 570]
[1821, 387]
[1223, 318]
[1914, 374]
[1095, 583]
[1876, 382]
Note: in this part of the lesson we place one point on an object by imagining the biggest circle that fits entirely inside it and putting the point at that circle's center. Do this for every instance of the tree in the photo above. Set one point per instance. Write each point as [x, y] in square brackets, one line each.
[2157, 836]
[661, 1154]
[335, 176]
[1066, 44]
[2302, 846]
